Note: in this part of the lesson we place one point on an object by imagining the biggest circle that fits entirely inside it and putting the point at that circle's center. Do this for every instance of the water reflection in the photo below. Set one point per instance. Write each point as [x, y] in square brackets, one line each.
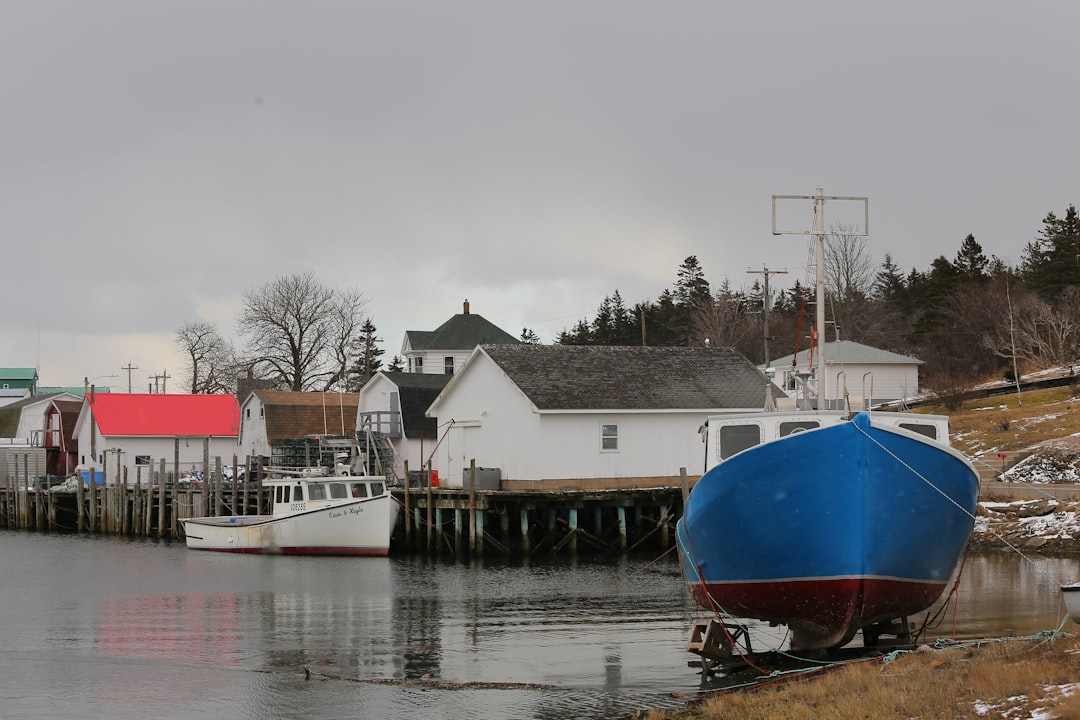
[143, 629]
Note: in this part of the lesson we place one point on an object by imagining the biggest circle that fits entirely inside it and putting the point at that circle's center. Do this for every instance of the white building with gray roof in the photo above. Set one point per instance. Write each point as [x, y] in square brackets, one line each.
[587, 417]
[870, 376]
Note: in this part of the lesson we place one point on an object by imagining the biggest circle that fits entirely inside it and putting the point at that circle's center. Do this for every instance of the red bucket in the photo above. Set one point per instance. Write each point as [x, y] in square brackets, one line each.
[434, 478]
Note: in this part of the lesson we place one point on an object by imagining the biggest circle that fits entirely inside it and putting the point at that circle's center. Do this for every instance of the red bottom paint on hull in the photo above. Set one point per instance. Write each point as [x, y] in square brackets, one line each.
[825, 608]
[351, 552]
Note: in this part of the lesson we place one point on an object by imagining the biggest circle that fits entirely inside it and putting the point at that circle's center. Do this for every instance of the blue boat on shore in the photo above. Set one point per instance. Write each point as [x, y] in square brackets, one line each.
[826, 523]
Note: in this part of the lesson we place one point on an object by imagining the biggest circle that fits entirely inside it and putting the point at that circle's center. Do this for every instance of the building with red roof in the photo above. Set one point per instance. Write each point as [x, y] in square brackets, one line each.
[121, 432]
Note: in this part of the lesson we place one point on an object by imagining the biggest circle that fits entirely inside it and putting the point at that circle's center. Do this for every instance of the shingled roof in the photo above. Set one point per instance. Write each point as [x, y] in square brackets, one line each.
[293, 415]
[849, 351]
[463, 331]
[578, 377]
[416, 392]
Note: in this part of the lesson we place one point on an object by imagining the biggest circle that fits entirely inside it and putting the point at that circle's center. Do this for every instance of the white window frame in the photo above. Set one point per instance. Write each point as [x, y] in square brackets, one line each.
[609, 437]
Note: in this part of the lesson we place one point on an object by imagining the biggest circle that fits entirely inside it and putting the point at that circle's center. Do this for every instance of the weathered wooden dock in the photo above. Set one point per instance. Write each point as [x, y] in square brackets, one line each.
[458, 521]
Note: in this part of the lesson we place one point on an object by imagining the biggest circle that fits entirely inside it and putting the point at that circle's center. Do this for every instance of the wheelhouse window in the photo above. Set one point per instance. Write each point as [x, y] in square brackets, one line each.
[359, 490]
[299, 494]
[609, 438]
[928, 430]
[786, 428]
[736, 438]
[338, 491]
[316, 491]
[377, 489]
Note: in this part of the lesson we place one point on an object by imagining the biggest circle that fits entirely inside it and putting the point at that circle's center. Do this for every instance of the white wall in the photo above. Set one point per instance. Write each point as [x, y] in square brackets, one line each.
[253, 439]
[157, 448]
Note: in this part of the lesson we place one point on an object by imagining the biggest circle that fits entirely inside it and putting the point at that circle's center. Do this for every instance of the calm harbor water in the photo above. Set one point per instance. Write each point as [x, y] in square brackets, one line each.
[97, 627]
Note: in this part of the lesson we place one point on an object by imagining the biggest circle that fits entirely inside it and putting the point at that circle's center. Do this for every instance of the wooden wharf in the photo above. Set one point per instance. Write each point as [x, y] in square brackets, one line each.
[435, 520]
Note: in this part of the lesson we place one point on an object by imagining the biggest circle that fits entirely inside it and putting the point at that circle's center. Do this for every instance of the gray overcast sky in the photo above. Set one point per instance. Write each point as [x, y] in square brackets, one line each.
[158, 158]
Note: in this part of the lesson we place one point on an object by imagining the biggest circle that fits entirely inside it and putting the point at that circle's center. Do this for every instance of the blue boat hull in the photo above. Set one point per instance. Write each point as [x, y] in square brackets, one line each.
[829, 530]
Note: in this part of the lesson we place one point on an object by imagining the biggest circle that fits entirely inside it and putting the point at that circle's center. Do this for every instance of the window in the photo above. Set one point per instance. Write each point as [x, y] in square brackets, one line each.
[248, 411]
[376, 489]
[359, 490]
[928, 430]
[786, 428]
[609, 438]
[418, 364]
[142, 459]
[448, 365]
[316, 491]
[299, 494]
[338, 491]
[736, 438]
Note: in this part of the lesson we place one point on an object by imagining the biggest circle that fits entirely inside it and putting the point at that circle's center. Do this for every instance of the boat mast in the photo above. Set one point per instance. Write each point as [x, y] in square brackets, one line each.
[819, 298]
[818, 232]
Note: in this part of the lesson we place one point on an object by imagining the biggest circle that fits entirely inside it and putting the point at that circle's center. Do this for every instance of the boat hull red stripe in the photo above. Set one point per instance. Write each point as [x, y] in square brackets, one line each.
[832, 604]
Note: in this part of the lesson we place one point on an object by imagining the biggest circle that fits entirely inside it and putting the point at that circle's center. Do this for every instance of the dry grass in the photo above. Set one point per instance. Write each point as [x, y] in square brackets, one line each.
[1017, 679]
[1009, 424]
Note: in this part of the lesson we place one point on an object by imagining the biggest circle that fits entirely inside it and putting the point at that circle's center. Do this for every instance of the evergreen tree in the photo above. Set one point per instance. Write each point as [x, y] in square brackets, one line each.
[529, 337]
[368, 353]
[970, 263]
[397, 364]
[1052, 261]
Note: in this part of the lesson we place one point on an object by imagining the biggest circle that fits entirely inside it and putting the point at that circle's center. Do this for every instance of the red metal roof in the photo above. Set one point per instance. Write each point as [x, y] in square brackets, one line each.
[119, 414]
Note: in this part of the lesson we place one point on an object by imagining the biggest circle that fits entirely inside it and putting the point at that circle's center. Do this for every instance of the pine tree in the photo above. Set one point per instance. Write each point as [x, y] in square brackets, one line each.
[971, 263]
[529, 337]
[368, 354]
[1051, 262]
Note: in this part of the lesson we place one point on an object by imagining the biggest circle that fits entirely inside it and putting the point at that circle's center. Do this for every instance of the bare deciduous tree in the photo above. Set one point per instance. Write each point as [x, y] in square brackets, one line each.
[298, 330]
[849, 280]
[723, 321]
[210, 360]
[1039, 335]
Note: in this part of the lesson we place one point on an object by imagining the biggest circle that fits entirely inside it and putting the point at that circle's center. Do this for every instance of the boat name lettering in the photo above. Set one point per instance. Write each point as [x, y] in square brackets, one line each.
[348, 511]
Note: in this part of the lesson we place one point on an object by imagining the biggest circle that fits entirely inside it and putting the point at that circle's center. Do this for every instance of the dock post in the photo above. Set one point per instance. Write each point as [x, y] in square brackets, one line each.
[161, 501]
[685, 484]
[479, 533]
[124, 516]
[472, 506]
[573, 531]
[622, 527]
[598, 518]
[247, 484]
[438, 530]
[235, 489]
[504, 526]
[408, 514]
[427, 509]
[458, 523]
[525, 548]
[80, 498]
[93, 523]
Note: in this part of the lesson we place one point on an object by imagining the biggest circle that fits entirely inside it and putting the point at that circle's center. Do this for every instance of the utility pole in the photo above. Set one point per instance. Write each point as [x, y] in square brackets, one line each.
[129, 368]
[766, 302]
[164, 376]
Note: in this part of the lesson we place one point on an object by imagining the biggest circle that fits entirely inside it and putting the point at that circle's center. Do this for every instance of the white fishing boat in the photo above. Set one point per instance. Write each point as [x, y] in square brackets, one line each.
[1071, 594]
[314, 512]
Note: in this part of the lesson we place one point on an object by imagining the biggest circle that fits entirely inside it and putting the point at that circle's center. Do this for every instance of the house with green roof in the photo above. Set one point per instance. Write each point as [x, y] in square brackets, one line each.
[17, 383]
[443, 350]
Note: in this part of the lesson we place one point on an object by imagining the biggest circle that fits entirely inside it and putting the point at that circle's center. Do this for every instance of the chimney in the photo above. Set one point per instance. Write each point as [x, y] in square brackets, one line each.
[466, 310]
